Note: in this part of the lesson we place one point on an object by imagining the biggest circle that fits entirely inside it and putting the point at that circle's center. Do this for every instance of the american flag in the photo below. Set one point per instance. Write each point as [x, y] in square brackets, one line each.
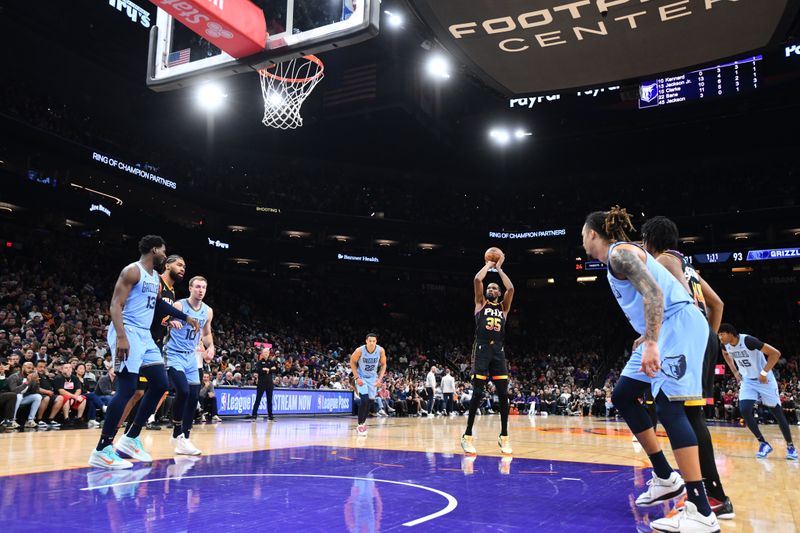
[178, 58]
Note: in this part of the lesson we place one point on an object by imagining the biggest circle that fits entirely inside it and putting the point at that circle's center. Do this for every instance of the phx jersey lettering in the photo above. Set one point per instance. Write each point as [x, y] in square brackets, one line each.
[137, 316]
[368, 370]
[182, 343]
[750, 361]
[488, 356]
[713, 346]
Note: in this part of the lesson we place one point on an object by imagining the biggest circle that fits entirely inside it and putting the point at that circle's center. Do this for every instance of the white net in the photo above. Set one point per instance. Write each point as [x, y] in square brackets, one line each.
[285, 87]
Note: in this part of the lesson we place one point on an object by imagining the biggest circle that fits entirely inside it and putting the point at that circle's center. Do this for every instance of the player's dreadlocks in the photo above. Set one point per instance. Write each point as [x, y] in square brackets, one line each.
[612, 225]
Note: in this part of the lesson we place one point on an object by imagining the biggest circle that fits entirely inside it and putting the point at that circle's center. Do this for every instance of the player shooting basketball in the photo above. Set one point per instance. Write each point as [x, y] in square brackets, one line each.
[488, 356]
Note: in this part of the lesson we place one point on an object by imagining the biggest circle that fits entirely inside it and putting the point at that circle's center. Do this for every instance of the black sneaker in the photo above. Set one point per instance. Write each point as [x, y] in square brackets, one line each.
[725, 511]
[152, 427]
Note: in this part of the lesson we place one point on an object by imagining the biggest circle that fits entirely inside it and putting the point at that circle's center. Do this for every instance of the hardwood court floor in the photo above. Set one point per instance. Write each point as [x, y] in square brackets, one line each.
[549, 453]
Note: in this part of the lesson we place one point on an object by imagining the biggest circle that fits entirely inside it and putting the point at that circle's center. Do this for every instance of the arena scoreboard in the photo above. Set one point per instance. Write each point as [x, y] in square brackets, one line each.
[752, 255]
[712, 258]
[713, 82]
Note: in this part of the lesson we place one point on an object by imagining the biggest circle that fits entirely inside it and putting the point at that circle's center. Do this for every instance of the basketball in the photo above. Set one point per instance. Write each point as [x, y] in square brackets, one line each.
[493, 254]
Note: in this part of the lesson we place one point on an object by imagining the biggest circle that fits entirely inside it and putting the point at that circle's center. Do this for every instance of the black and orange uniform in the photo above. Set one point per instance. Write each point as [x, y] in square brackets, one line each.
[488, 356]
[713, 346]
[158, 329]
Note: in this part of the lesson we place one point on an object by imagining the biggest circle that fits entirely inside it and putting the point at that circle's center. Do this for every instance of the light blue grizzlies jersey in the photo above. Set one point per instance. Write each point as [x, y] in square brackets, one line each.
[141, 303]
[631, 301]
[749, 361]
[186, 338]
[368, 363]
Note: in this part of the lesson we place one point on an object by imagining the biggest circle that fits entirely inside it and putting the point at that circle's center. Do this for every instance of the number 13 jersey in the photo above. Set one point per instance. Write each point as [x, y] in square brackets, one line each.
[141, 302]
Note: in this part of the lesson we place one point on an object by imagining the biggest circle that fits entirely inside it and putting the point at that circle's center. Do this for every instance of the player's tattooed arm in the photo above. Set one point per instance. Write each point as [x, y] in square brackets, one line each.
[626, 262]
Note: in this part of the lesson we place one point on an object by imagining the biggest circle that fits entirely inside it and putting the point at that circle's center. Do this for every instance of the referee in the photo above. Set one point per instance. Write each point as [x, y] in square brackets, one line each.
[266, 368]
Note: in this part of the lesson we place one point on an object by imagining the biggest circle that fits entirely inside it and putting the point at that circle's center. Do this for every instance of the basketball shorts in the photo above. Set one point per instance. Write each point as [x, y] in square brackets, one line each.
[143, 350]
[489, 361]
[682, 345]
[184, 362]
[752, 389]
[369, 387]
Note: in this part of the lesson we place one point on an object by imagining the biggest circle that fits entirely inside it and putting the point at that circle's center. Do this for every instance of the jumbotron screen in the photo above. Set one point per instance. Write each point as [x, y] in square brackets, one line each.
[731, 78]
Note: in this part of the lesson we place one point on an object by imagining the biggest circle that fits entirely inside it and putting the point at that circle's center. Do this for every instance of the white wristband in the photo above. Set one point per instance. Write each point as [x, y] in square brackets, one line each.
[763, 373]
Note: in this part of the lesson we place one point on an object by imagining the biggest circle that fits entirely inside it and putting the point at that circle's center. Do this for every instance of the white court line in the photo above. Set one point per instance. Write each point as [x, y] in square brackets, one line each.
[571, 478]
[452, 503]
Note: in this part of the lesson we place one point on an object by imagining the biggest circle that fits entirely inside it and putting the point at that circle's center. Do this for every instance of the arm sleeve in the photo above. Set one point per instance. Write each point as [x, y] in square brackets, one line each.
[165, 309]
[752, 343]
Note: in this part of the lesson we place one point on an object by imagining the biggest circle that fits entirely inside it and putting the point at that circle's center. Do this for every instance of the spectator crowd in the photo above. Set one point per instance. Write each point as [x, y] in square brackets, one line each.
[55, 362]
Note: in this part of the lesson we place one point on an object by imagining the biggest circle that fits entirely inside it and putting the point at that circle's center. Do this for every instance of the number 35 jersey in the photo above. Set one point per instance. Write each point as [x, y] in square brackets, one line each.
[185, 339]
[748, 356]
[490, 323]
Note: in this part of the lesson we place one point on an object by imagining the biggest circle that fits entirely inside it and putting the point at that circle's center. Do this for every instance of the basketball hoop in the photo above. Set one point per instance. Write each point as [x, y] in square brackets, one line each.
[285, 87]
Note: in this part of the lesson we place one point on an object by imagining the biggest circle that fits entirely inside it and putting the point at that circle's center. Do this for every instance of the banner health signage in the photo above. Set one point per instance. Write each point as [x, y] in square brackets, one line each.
[133, 169]
[239, 401]
[358, 258]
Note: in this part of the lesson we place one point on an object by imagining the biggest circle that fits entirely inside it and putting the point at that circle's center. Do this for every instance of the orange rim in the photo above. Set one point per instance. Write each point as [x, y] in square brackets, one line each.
[313, 59]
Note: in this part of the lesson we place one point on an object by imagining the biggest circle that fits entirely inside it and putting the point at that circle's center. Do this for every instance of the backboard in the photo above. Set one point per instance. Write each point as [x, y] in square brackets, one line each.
[179, 57]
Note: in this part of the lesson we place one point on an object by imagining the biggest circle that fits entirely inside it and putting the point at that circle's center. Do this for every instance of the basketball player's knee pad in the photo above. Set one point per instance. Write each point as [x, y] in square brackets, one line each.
[625, 398]
[673, 417]
[194, 392]
[502, 391]
[179, 381]
[746, 408]
[126, 385]
[698, 421]
[156, 379]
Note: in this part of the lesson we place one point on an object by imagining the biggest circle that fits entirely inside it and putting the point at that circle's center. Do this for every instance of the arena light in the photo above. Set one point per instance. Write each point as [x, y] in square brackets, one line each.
[504, 136]
[586, 279]
[394, 20]
[295, 234]
[210, 96]
[500, 136]
[438, 67]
